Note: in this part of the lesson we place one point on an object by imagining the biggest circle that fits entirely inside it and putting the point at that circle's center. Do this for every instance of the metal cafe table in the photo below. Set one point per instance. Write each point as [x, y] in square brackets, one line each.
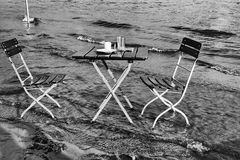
[137, 54]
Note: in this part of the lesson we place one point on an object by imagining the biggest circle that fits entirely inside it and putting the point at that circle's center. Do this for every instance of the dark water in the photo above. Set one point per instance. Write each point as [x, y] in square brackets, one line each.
[66, 27]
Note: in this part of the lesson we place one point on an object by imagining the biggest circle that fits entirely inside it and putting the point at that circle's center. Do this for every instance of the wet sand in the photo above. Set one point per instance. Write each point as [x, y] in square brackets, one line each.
[211, 104]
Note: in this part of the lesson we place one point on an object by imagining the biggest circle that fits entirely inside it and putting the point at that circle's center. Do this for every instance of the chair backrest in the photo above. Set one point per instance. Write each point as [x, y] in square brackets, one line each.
[191, 48]
[11, 49]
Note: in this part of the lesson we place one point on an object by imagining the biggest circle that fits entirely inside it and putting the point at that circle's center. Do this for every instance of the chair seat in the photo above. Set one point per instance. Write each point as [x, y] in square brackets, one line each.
[46, 79]
[164, 83]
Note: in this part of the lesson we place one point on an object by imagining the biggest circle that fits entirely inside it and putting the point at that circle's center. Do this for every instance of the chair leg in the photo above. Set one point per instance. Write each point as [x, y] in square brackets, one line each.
[154, 91]
[46, 109]
[53, 100]
[185, 117]
[50, 97]
[147, 105]
[174, 109]
[25, 111]
[155, 121]
[172, 116]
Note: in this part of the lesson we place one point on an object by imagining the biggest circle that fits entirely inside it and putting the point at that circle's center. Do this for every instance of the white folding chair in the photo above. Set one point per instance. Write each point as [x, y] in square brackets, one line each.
[44, 82]
[161, 87]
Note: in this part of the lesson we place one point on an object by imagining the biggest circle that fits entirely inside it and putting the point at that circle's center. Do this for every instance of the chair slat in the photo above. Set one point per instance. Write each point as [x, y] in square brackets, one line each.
[9, 43]
[40, 79]
[192, 43]
[168, 82]
[58, 78]
[162, 84]
[147, 82]
[180, 83]
[50, 79]
[190, 51]
[153, 81]
[13, 51]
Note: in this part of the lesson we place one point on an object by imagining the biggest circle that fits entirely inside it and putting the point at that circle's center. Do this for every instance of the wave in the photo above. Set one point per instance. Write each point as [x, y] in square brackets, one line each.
[76, 17]
[44, 36]
[89, 39]
[113, 24]
[219, 68]
[225, 56]
[206, 32]
[166, 52]
[225, 70]
[162, 51]
[86, 38]
[6, 30]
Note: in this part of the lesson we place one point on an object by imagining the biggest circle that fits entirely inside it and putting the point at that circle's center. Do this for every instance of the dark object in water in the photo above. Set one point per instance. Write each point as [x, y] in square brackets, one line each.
[206, 32]
[113, 24]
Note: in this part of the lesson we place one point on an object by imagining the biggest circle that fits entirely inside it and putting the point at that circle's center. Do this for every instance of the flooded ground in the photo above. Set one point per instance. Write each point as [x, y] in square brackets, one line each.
[68, 27]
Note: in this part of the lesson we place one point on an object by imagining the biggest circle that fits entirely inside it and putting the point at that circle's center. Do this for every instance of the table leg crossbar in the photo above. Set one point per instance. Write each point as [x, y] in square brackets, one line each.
[113, 89]
[115, 80]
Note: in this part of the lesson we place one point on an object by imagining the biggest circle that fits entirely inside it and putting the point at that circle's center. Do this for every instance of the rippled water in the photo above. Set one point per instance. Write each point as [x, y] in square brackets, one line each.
[66, 27]
[157, 24]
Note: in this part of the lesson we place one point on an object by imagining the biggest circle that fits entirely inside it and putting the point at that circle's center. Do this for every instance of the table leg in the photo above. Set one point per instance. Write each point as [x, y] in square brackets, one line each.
[112, 91]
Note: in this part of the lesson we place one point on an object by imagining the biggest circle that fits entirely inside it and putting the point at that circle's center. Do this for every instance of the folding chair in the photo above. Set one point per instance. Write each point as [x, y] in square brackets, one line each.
[161, 87]
[44, 82]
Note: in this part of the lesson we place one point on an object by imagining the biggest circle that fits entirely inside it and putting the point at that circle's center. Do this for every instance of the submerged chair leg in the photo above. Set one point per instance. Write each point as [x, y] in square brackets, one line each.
[148, 105]
[154, 99]
[31, 105]
[51, 98]
[174, 109]
[185, 117]
[155, 121]
[36, 101]
[171, 107]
